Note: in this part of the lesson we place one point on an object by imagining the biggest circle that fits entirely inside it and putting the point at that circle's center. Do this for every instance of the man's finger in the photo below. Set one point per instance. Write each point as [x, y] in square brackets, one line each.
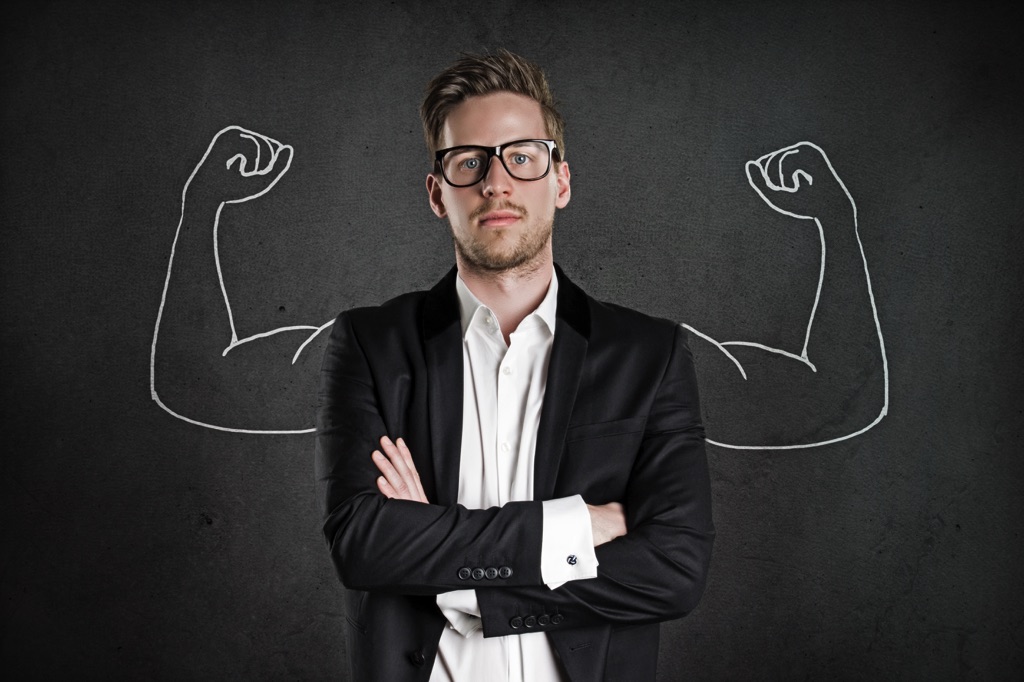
[385, 488]
[397, 459]
[391, 475]
[399, 470]
[407, 456]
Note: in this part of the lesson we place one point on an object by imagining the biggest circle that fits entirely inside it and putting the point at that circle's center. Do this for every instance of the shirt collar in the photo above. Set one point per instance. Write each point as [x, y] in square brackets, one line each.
[472, 310]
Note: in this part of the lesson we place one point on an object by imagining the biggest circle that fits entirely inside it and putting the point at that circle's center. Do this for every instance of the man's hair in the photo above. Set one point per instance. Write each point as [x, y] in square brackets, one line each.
[474, 75]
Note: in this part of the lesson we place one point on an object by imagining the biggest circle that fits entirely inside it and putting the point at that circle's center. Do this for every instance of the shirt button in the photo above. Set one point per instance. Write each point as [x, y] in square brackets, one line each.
[506, 371]
[464, 573]
[505, 447]
[491, 573]
[478, 574]
[489, 321]
[505, 572]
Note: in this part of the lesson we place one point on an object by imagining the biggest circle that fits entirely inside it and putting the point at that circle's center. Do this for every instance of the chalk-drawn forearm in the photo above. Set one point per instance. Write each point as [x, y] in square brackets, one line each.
[842, 338]
[195, 316]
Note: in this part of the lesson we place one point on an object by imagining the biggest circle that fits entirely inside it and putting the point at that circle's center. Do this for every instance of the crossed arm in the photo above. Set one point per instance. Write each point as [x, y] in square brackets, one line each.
[399, 480]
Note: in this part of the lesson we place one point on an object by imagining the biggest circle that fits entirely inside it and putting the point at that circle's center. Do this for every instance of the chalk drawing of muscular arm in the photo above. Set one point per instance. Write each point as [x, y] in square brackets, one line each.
[836, 385]
[201, 369]
[833, 388]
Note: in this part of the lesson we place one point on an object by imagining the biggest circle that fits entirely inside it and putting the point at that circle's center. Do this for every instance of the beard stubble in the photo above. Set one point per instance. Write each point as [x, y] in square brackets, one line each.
[491, 256]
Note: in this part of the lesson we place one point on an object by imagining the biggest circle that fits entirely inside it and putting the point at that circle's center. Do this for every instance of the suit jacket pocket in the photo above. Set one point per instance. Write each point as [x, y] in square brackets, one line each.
[604, 429]
[599, 457]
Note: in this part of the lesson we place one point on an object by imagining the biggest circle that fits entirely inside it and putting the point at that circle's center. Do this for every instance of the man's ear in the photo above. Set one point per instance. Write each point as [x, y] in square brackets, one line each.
[562, 177]
[434, 195]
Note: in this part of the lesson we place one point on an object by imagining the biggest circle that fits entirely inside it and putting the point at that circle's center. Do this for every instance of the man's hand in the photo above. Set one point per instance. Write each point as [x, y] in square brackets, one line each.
[400, 481]
[607, 521]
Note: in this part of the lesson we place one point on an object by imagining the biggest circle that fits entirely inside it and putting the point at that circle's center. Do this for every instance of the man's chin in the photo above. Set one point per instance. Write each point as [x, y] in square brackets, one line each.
[495, 264]
[502, 252]
[495, 260]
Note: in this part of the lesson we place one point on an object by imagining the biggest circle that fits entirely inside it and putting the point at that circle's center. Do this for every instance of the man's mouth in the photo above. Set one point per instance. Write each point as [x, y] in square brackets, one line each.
[499, 218]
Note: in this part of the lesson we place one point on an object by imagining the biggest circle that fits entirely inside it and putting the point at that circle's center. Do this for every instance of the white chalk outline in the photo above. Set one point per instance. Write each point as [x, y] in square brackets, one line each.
[258, 169]
[761, 163]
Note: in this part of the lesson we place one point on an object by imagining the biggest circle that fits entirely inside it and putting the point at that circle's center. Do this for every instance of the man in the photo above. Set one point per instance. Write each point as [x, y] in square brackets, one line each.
[512, 474]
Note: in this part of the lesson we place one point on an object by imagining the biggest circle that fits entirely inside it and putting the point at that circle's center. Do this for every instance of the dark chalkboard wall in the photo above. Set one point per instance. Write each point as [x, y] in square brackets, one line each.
[136, 545]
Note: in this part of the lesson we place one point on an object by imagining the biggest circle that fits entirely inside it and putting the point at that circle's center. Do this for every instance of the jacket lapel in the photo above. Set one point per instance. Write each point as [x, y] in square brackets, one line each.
[442, 343]
[572, 335]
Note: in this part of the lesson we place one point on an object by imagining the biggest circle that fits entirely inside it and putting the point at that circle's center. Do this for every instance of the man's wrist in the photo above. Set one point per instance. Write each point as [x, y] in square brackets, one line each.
[567, 546]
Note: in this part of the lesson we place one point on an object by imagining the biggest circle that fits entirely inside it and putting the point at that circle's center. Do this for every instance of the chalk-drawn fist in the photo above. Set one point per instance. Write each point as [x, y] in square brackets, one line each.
[240, 165]
[799, 181]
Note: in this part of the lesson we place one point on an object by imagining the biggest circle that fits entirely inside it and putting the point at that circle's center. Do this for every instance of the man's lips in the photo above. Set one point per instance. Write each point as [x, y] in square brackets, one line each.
[498, 218]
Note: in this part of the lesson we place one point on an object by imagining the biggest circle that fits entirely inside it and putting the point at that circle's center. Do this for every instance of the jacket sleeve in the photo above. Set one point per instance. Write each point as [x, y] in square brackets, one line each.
[401, 546]
[657, 571]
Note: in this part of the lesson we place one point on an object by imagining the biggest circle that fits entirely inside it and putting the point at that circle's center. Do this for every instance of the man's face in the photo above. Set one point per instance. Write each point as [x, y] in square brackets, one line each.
[500, 223]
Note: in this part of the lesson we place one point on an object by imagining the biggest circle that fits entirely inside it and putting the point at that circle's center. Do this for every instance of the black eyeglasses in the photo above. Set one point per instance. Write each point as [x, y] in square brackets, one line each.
[523, 159]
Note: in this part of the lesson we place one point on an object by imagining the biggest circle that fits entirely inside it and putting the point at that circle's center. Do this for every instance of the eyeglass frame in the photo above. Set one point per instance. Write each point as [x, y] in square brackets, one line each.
[496, 152]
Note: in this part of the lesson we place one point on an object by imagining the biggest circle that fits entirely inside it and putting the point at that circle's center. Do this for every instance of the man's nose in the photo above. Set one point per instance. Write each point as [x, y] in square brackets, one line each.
[496, 180]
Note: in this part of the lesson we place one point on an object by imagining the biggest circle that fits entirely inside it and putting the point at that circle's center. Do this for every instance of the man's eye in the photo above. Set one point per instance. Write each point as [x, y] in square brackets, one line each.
[520, 159]
[471, 164]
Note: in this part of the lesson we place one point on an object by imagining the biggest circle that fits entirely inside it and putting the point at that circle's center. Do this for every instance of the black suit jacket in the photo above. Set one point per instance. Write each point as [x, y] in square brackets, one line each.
[620, 422]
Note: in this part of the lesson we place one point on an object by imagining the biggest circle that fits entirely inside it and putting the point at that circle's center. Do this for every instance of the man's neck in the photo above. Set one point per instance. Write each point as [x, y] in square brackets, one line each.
[513, 294]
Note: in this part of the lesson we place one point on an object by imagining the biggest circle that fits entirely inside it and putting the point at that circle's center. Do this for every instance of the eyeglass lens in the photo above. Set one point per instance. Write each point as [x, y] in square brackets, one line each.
[523, 160]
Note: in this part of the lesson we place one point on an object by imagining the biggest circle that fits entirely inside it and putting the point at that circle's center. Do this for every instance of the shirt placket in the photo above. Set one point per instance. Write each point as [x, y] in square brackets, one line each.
[491, 351]
[509, 422]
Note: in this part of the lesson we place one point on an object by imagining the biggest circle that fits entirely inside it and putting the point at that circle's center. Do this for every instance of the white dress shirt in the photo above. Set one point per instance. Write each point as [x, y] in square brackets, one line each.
[503, 392]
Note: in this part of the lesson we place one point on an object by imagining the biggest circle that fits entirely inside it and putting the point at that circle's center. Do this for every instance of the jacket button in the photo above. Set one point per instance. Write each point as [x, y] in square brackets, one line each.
[478, 574]
[557, 618]
[505, 572]
[516, 623]
[491, 573]
[417, 658]
[464, 573]
[529, 621]
[544, 619]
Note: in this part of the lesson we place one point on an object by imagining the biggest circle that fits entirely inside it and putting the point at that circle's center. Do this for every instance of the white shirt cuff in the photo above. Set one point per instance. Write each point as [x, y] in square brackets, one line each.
[567, 545]
[462, 610]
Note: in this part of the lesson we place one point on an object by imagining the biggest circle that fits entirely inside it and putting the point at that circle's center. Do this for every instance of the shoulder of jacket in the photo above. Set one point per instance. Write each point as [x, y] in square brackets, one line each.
[401, 308]
[629, 320]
